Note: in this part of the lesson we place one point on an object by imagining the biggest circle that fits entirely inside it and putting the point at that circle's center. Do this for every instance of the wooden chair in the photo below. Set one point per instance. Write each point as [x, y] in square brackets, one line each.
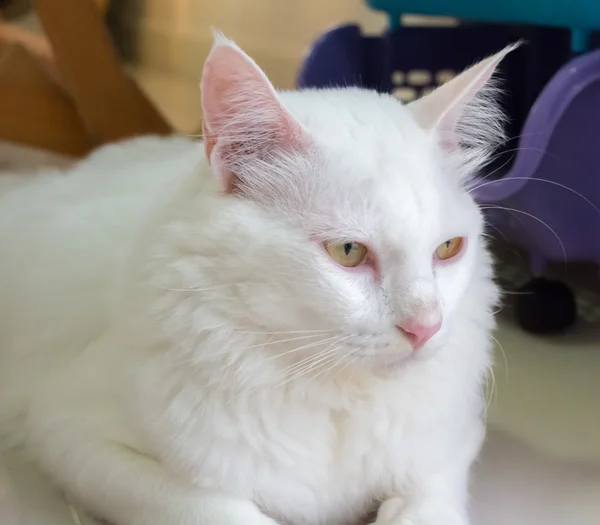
[67, 91]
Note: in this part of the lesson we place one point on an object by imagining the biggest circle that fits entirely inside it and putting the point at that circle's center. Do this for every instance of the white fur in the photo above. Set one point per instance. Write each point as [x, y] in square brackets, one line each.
[152, 328]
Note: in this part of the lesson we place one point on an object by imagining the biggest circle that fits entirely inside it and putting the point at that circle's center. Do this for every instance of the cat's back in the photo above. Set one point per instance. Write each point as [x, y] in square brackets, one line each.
[65, 237]
[70, 223]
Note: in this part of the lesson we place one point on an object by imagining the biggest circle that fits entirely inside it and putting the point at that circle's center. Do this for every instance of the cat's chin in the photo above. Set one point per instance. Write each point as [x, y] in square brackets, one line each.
[390, 364]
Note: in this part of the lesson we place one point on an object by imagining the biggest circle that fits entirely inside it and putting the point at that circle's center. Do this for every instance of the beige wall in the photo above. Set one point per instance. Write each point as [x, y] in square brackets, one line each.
[175, 35]
[169, 40]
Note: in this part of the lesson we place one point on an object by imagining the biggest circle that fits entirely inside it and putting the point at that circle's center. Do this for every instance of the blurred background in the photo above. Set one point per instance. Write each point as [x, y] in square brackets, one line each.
[165, 43]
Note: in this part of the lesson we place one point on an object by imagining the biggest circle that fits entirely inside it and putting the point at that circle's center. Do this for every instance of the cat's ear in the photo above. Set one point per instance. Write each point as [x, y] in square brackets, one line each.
[243, 118]
[464, 109]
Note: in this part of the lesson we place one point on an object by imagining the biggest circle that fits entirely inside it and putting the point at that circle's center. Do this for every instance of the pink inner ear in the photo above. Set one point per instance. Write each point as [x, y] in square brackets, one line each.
[447, 127]
[242, 113]
[449, 141]
[444, 109]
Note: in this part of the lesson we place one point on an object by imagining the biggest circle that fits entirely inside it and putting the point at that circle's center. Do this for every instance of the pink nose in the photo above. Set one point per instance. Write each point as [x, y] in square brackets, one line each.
[418, 334]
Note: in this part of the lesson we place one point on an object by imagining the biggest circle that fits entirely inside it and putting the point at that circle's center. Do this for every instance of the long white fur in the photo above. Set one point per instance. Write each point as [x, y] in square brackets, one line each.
[175, 355]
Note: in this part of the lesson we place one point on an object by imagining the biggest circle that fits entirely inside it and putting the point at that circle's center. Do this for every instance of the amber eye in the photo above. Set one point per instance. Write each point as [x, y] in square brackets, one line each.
[348, 254]
[450, 248]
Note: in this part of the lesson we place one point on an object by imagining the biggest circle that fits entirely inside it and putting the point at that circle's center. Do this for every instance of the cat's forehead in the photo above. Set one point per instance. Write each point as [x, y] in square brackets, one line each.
[380, 170]
[365, 136]
[349, 115]
[370, 142]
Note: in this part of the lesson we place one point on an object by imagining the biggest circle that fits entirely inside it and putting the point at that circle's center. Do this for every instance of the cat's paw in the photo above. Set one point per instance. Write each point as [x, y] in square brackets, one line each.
[395, 512]
[392, 512]
[396, 521]
[407, 520]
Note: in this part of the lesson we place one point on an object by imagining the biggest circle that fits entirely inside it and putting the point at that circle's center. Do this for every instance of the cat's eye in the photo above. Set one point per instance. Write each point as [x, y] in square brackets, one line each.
[348, 254]
[449, 249]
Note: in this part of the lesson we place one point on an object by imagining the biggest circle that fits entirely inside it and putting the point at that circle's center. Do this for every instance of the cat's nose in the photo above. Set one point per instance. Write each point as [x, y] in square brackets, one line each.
[417, 333]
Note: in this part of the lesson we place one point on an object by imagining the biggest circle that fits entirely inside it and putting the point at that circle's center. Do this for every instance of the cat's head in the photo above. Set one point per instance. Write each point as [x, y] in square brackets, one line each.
[345, 212]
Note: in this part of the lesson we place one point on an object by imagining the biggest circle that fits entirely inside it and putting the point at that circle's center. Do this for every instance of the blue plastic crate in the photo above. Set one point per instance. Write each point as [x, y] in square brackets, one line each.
[580, 16]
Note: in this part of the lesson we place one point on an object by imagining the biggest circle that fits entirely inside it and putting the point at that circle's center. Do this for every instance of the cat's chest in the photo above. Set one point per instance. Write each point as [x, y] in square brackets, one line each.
[304, 463]
[335, 468]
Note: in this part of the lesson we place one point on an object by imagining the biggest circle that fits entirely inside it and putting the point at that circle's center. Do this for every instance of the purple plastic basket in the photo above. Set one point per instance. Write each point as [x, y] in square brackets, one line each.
[551, 194]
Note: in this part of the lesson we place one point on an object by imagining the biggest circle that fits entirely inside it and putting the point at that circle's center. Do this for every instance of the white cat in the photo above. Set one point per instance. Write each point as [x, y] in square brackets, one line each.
[289, 324]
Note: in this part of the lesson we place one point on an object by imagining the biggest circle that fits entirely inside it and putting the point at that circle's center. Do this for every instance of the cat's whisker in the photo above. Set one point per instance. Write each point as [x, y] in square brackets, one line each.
[331, 365]
[321, 357]
[514, 210]
[300, 348]
[338, 339]
[307, 364]
[354, 350]
[520, 136]
[504, 357]
[285, 332]
[350, 377]
[350, 362]
[315, 364]
[491, 388]
[293, 350]
[279, 341]
[209, 289]
[478, 179]
[339, 361]
[468, 187]
[487, 223]
[537, 179]
[310, 359]
[522, 148]
[312, 344]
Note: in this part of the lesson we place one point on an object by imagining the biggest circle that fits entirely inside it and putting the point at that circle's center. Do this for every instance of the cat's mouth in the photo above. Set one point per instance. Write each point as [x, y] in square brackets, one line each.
[368, 342]
[383, 351]
[375, 349]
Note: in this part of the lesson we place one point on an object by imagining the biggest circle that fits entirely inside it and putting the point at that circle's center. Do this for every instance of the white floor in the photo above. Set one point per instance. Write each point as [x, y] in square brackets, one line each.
[548, 391]
[541, 464]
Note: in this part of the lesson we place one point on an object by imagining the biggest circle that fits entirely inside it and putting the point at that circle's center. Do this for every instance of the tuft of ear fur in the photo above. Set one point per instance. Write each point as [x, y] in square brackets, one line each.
[243, 119]
[465, 115]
